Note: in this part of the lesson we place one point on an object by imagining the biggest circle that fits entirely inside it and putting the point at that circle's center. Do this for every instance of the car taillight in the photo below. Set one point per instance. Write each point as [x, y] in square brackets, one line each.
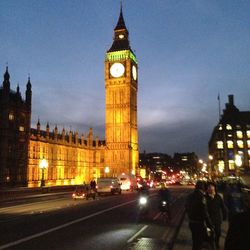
[111, 186]
[96, 186]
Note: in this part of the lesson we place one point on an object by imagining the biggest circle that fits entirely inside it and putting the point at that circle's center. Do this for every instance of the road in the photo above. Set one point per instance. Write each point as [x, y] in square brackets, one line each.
[110, 222]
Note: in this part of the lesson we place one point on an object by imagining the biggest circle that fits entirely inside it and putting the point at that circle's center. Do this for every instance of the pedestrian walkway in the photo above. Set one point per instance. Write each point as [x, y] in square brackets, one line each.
[184, 238]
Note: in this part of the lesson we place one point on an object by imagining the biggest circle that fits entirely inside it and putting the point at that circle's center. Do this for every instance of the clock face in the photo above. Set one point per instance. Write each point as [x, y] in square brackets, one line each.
[117, 69]
[134, 72]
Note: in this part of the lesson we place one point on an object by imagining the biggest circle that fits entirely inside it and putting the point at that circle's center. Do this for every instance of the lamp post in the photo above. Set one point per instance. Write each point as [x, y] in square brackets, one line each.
[43, 165]
[210, 167]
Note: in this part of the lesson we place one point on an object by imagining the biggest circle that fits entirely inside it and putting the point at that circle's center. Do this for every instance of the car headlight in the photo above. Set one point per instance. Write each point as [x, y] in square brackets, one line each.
[143, 200]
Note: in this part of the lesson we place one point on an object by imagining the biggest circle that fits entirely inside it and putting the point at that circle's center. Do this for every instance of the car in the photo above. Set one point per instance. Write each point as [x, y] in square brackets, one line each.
[106, 185]
[128, 182]
[83, 192]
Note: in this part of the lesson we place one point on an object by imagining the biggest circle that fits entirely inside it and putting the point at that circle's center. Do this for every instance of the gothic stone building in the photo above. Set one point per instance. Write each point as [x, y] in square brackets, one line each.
[15, 115]
[72, 158]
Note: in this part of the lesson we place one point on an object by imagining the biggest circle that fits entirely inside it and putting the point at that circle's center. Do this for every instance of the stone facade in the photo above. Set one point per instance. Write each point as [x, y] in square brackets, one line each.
[72, 159]
[15, 115]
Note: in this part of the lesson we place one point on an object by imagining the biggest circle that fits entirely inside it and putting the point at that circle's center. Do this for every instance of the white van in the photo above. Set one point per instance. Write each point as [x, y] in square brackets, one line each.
[128, 182]
[108, 185]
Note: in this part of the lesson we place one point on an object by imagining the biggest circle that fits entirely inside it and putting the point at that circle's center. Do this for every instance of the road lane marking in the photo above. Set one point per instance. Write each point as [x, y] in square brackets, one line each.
[138, 233]
[17, 242]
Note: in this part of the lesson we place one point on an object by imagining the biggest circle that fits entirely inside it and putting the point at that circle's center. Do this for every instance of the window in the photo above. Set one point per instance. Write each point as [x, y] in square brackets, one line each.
[220, 154]
[229, 135]
[220, 127]
[240, 153]
[220, 144]
[228, 127]
[221, 166]
[11, 116]
[21, 128]
[248, 143]
[230, 154]
[240, 144]
[248, 133]
[239, 134]
[231, 164]
[230, 144]
[248, 151]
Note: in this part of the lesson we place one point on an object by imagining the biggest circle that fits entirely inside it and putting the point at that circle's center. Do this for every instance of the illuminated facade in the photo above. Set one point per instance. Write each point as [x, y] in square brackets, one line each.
[121, 104]
[71, 160]
[229, 145]
[69, 157]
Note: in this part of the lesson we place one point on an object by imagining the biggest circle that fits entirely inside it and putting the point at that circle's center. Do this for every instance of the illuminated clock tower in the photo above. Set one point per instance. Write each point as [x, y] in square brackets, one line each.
[121, 79]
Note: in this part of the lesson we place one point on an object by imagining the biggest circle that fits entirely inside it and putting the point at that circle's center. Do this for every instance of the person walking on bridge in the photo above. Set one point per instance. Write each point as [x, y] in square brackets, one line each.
[216, 209]
[199, 219]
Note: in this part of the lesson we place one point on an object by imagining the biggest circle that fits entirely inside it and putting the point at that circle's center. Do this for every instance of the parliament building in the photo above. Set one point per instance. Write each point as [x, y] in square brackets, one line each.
[73, 158]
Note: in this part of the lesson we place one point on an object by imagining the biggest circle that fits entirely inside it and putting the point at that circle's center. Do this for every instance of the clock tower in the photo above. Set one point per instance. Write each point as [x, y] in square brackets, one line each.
[121, 85]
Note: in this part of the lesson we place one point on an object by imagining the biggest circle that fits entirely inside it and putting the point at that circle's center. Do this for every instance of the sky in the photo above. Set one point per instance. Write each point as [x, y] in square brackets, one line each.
[188, 52]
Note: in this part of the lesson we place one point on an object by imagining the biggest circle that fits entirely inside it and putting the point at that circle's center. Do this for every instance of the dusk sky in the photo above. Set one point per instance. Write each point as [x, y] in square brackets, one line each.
[188, 51]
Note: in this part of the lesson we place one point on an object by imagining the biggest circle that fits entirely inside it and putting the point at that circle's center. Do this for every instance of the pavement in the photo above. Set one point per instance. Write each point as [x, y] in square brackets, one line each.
[183, 240]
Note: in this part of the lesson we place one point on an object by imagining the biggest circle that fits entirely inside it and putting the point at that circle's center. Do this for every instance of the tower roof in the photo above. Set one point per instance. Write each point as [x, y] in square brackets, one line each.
[6, 75]
[6, 81]
[120, 24]
[121, 35]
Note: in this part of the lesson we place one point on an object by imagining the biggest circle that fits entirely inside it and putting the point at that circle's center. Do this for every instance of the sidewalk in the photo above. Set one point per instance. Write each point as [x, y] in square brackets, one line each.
[184, 239]
[25, 192]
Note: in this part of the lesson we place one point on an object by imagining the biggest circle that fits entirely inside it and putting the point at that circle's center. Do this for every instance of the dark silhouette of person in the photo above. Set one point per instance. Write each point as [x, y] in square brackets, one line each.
[143, 190]
[199, 219]
[164, 195]
[234, 200]
[217, 210]
[238, 234]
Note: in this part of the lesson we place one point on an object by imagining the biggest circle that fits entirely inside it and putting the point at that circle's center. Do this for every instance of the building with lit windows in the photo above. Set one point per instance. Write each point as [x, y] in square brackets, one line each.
[187, 162]
[229, 145]
[156, 163]
[32, 156]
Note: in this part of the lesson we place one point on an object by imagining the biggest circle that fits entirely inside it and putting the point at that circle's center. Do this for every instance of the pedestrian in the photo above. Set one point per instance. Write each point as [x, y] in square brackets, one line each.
[217, 211]
[199, 219]
[93, 185]
[235, 200]
[238, 234]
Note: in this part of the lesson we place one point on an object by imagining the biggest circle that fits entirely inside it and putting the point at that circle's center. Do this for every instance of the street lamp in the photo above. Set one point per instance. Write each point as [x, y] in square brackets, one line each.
[210, 167]
[43, 165]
